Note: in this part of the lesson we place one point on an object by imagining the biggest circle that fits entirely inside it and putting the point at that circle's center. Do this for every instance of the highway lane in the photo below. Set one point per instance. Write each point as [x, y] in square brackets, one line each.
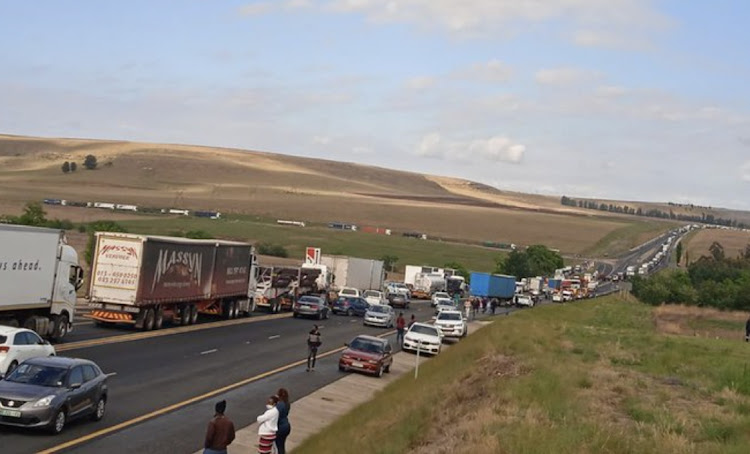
[156, 372]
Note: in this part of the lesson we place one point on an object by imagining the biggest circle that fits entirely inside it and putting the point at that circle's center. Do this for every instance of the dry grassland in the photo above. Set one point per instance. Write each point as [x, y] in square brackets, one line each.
[700, 322]
[734, 242]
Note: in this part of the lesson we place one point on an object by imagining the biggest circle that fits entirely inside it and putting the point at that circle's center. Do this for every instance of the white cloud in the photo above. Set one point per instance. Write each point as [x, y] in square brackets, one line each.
[745, 171]
[361, 150]
[494, 149]
[610, 91]
[609, 39]
[490, 71]
[256, 9]
[321, 140]
[420, 83]
[297, 4]
[565, 76]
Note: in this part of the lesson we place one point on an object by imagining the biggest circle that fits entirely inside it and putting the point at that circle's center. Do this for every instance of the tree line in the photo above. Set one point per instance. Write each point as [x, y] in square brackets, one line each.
[714, 280]
[652, 212]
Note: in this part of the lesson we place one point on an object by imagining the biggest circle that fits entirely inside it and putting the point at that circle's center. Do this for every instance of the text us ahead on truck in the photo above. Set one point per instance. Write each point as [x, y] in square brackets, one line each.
[147, 280]
[39, 276]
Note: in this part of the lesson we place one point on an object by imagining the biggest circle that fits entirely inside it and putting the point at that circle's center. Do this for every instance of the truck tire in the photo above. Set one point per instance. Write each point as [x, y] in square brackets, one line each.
[193, 314]
[226, 310]
[60, 329]
[233, 309]
[158, 317]
[184, 315]
[148, 320]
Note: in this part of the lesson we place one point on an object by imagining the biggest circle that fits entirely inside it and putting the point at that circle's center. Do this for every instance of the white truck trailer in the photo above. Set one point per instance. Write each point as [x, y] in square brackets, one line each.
[362, 274]
[39, 276]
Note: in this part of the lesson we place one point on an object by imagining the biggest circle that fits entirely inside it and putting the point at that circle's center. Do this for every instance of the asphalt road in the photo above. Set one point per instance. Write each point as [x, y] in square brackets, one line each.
[157, 372]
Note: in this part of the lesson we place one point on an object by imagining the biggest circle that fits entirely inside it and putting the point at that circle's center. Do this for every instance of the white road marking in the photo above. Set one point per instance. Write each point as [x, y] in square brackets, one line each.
[275, 336]
[210, 351]
[111, 374]
[352, 321]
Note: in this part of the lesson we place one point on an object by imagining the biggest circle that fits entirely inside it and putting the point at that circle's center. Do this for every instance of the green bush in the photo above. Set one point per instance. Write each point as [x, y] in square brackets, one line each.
[275, 250]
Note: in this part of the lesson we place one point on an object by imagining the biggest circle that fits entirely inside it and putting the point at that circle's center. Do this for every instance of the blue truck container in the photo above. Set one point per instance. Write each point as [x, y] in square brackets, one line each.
[492, 285]
[554, 284]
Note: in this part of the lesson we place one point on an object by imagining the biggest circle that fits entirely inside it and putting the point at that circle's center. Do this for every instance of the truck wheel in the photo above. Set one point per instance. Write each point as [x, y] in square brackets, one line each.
[193, 314]
[234, 310]
[253, 307]
[158, 318]
[148, 320]
[226, 310]
[61, 327]
[184, 319]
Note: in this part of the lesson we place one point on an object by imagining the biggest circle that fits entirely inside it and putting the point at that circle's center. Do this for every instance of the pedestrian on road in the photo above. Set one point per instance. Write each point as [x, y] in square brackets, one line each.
[220, 432]
[400, 328]
[747, 330]
[313, 343]
[412, 320]
[474, 307]
[268, 425]
[467, 308]
[493, 305]
[284, 428]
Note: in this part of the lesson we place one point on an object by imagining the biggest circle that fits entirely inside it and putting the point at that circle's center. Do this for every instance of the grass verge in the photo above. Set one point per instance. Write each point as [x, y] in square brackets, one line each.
[627, 237]
[355, 244]
[591, 377]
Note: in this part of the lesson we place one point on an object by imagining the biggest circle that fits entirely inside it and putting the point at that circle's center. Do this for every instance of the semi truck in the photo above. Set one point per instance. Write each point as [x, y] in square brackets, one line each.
[362, 274]
[146, 280]
[277, 287]
[492, 285]
[39, 276]
[412, 272]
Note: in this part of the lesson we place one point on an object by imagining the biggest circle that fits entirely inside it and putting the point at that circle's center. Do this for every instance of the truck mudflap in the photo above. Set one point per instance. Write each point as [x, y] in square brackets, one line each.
[110, 317]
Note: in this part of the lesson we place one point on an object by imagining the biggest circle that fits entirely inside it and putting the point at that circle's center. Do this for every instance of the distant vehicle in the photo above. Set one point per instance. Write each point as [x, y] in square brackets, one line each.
[615, 278]
[311, 306]
[50, 392]
[567, 295]
[19, 344]
[452, 323]
[380, 315]
[355, 272]
[493, 285]
[426, 338]
[398, 288]
[399, 300]
[348, 291]
[374, 297]
[438, 296]
[350, 305]
[368, 354]
[523, 300]
[445, 304]
[39, 278]
[557, 297]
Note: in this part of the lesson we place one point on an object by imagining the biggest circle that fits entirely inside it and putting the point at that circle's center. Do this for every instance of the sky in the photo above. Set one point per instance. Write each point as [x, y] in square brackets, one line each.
[621, 99]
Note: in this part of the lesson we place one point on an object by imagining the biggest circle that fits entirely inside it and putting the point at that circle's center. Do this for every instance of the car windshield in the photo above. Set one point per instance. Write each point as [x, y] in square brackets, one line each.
[372, 293]
[33, 374]
[347, 291]
[379, 308]
[422, 329]
[441, 295]
[366, 345]
[449, 316]
[309, 300]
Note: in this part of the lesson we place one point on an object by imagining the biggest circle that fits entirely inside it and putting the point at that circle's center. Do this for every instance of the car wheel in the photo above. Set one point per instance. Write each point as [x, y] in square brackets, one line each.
[379, 372]
[342, 368]
[58, 422]
[328, 314]
[387, 369]
[99, 410]
[11, 368]
[295, 315]
[349, 312]
[320, 315]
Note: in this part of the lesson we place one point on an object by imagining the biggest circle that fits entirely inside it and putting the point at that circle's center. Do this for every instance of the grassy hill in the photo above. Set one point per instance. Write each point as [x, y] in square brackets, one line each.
[271, 186]
[593, 377]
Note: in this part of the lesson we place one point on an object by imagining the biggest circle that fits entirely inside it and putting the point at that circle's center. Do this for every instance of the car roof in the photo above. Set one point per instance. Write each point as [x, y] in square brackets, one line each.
[424, 324]
[57, 361]
[371, 338]
[450, 312]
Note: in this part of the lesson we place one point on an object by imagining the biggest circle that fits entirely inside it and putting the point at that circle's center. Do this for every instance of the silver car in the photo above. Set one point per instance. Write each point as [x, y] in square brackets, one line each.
[380, 315]
[49, 392]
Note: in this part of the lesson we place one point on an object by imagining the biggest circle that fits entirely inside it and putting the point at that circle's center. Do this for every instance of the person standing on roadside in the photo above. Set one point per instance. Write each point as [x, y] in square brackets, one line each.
[220, 432]
[493, 305]
[313, 343]
[412, 320]
[400, 328]
[268, 425]
[284, 428]
[467, 308]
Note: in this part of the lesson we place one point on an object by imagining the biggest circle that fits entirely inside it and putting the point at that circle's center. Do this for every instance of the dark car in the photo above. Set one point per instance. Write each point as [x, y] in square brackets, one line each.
[368, 354]
[311, 306]
[49, 392]
[398, 300]
[351, 305]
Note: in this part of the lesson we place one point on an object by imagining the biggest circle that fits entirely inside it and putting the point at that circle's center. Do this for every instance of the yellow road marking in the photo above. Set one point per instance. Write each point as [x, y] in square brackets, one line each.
[165, 332]
[184, 403]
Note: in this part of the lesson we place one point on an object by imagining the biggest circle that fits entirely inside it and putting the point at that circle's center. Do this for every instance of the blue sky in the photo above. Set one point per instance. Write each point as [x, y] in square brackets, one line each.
[626, 99]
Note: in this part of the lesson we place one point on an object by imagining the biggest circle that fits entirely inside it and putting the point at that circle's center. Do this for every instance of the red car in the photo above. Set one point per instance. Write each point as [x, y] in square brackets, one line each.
[368, 354]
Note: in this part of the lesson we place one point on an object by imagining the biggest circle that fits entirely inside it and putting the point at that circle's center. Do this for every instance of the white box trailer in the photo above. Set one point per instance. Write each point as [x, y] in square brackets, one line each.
[412, 273]
[39, 276]
[362, 274]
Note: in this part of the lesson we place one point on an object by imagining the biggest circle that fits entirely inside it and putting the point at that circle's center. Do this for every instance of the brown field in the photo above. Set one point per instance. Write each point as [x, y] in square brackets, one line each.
[270, 186]
[700, 322]
[734, 242]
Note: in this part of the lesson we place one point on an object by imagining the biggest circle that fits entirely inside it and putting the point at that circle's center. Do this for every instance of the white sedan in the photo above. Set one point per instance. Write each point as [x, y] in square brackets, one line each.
[426, 338]
[19, 344]
[374, 297]
[437, 296]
